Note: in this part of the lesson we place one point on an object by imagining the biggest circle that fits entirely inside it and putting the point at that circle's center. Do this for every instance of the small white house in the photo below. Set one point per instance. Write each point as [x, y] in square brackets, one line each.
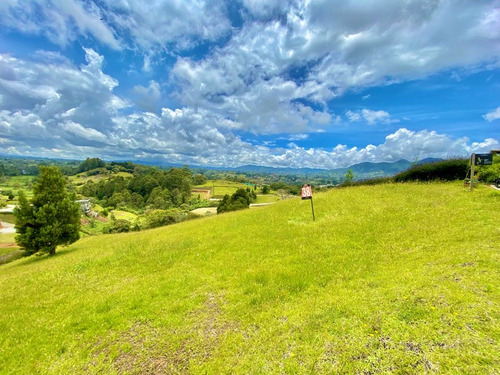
[84, 205]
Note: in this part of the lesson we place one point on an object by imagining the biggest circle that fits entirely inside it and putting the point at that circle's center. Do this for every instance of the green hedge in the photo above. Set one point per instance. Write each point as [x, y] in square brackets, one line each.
[446, 170]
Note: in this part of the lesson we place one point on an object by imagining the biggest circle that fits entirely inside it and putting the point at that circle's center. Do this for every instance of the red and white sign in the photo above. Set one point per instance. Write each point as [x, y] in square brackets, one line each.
[307, 192]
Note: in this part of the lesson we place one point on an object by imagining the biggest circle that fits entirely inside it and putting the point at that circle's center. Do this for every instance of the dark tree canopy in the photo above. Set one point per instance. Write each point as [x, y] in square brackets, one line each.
[91, 163]
[52, 217]
[445, 170]
[239, 200]
[148, 188]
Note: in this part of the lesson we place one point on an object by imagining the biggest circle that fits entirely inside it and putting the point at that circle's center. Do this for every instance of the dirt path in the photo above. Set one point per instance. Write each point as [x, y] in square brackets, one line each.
[8, 245]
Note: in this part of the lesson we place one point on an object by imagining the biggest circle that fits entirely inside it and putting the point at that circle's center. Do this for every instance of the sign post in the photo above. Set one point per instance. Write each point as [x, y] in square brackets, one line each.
[483, 159]
[307, 194]
[472, 163]
[478, 159]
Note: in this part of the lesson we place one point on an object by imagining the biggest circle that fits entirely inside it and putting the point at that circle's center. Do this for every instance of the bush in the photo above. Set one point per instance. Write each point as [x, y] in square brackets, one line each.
[120, 226]
[287, 189]
[446, 170]
[237, 201]
[371, 181]
[159, 218]
[95, 172]
[489, 173]
[9, 194]
[199, 179]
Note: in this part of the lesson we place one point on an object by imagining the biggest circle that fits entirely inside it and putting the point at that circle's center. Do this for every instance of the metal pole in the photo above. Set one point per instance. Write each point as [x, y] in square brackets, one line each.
[472, 163]
[312, 208]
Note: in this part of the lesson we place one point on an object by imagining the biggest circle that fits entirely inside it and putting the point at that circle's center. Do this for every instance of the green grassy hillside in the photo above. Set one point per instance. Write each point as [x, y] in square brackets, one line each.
[388, 279]
[220, 188]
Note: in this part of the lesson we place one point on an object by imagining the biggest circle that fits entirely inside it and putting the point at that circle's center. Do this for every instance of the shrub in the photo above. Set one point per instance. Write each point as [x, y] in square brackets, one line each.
[9, 194]
[120, 226]
[371, 181]
[239, 200]
[489, 173]
[446, 170]
[159, 218]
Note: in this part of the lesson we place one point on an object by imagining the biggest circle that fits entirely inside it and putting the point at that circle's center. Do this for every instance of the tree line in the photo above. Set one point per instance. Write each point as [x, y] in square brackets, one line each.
[148, 188]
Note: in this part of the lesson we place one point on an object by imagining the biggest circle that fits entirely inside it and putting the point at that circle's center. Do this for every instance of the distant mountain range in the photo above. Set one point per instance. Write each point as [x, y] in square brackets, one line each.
[361, 170]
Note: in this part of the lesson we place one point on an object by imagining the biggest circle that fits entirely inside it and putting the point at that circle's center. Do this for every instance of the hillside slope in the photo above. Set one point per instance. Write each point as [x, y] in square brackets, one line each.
[390, 278]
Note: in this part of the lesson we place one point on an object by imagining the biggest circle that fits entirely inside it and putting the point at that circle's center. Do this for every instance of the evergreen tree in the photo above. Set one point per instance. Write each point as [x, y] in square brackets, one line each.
[51, 219]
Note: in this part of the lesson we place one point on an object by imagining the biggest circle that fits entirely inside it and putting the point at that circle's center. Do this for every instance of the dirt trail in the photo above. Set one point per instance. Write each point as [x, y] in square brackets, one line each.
[7, 245]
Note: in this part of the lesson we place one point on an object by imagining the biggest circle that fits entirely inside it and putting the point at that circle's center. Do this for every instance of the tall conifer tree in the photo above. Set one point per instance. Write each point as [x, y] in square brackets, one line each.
[51, 219]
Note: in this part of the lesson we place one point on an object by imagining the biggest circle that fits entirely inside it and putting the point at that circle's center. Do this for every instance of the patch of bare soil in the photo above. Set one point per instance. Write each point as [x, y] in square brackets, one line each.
[7, 245]
[145, 349]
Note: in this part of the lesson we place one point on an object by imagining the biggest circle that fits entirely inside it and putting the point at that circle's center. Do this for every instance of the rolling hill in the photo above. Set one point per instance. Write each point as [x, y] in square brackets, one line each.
[363, 170]
[394, 278]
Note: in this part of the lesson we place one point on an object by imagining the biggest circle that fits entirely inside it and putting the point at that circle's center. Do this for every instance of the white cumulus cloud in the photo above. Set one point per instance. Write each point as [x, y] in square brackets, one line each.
[148, 98]
[61, 21]
[281, 71]
[493, 115]
[370, 116]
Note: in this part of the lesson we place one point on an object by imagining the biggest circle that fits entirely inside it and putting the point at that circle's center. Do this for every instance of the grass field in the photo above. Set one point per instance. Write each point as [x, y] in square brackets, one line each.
[16, 183]
[388, 279]
[7, 217]
[7, 239]
[82, 178]
[221, 187]
[7, 251]
[267, 198]
[125, 215]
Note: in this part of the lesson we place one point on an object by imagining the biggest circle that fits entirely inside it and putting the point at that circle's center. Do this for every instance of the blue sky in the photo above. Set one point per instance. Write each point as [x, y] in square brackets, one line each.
[321, 84]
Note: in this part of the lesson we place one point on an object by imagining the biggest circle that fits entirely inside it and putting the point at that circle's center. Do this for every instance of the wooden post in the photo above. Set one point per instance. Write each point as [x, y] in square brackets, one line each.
[312, 208]
[307, 194]
[472, 163]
